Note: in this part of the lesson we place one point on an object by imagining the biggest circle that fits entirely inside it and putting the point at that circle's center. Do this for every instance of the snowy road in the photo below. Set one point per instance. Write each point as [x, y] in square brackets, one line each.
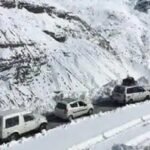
[103, 106]
[123, 137]
[53, 121]
[97, 132]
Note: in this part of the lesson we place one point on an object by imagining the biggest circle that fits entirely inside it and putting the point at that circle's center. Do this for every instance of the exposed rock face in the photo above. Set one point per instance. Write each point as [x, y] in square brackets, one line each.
[45, 48]
[143, 5]
[32, 63]
[61, 37]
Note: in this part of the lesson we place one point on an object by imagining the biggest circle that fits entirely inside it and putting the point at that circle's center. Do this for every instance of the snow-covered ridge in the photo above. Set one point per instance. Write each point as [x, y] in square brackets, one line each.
[47, 47]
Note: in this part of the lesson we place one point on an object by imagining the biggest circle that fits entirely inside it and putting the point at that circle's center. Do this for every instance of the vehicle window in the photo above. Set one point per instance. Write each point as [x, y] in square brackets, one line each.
[82, 103]
[74, 105]
[28, 117]
[61, 106]
[135, 90]
[12, 122]
[119, 89]
[140, 89]
[131, 90]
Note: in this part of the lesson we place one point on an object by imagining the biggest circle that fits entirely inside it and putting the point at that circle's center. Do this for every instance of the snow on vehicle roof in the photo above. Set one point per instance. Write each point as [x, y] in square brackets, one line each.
[129, 86]
[11, 112]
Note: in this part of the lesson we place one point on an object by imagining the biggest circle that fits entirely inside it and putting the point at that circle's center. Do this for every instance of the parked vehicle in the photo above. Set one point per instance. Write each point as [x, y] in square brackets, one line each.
[129, 94]
[69, 109]
[13, 123]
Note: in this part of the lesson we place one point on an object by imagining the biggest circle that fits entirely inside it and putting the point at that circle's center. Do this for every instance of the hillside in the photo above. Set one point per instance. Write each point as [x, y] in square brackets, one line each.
[69, 46]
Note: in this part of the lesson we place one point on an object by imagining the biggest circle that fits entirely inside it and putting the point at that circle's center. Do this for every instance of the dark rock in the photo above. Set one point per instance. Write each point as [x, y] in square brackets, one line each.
[142, 5]
[32, 8]
[15, 45]
[66, 54]
[58, 37]
[8, 4]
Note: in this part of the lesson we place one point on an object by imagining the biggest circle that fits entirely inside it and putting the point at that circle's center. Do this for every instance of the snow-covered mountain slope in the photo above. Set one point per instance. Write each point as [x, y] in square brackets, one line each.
[68, 46]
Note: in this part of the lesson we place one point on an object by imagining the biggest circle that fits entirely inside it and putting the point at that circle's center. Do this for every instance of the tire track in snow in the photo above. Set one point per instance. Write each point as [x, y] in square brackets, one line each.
[110, 133]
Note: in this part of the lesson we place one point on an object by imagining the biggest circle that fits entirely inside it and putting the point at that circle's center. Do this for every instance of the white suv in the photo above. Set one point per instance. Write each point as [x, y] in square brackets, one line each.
[70, 108]
[128, 94]
[13, 123]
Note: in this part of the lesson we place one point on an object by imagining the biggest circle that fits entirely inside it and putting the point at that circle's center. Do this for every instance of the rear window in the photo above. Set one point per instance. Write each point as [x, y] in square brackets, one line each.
[61, 106]
[119, 89]
[11, 122]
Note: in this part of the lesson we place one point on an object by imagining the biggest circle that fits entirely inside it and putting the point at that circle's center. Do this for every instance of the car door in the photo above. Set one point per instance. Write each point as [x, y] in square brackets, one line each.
[75, 109]
[136, 93]
[130, 95]
[83, 108]
[11, 125]
[30, 122]
[142, 93]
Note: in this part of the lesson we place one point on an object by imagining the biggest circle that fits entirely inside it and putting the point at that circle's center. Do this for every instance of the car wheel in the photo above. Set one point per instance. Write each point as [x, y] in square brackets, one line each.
[13, 137]
[90, 112]
[43, 126]
[147, 97]
[115, 102]
[70, 118]
[130, 101]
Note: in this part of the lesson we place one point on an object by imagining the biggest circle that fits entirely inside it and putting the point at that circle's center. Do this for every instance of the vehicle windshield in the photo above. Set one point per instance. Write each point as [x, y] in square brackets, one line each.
[61, 106]
[119, 89]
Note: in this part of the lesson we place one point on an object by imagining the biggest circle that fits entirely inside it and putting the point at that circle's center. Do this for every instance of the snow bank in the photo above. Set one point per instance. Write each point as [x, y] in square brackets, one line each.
[124, 147]
[106, 135]
[140, 141]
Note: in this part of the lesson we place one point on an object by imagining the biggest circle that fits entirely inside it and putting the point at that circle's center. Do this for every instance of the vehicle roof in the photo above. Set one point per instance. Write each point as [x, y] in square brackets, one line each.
[129, 86]
[11, 112]
[68, 100]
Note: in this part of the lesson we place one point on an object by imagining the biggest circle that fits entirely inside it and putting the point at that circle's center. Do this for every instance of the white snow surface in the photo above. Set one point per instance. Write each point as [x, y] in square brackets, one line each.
[123, 125]
[107, 41]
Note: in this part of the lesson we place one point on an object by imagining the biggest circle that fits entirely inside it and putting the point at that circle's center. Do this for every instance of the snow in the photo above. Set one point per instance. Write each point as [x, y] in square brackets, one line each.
[107, 41]
[139, 140]
[90, 132]
[117, 44]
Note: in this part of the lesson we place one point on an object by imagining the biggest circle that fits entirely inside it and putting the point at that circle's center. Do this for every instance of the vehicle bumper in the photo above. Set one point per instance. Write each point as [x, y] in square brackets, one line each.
[61, 115]
[118, 100]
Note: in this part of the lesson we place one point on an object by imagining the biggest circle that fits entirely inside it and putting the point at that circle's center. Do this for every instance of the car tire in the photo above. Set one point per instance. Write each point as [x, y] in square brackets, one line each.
[115, 102]
[90, 112]
[130, 101]
[13, 137]
[43, 126]
[70, 118]
[147, 97]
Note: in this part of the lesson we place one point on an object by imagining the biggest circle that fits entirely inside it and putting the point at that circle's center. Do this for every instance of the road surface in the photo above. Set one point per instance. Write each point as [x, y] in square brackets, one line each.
[103, 106]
